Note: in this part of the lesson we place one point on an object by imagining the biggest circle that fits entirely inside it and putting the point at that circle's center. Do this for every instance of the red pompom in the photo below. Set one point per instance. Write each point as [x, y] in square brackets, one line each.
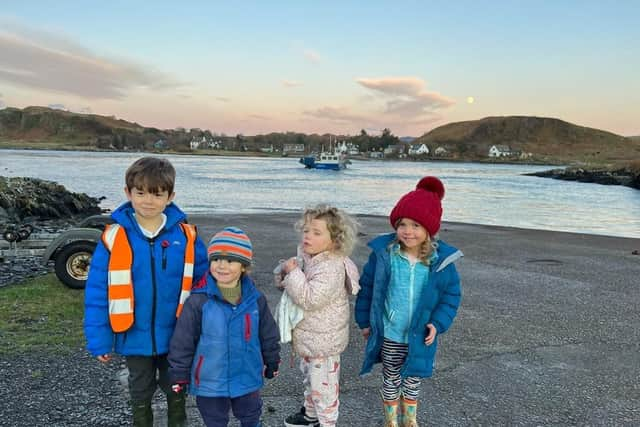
[433, 184]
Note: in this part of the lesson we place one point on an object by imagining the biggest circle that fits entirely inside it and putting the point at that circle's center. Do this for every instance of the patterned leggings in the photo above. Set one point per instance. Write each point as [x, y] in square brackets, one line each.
[393, 357]
[321, 388]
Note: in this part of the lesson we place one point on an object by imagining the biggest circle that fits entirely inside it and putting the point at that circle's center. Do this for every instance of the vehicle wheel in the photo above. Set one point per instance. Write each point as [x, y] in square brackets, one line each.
[24, 233]
[10, 236]
[72, 263]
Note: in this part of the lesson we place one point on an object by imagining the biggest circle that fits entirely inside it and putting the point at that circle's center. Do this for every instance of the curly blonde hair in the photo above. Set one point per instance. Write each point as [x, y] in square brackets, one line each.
[342, 227]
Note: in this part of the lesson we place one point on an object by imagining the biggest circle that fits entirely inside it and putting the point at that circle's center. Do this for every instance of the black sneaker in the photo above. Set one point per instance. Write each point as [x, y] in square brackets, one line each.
[300, 419]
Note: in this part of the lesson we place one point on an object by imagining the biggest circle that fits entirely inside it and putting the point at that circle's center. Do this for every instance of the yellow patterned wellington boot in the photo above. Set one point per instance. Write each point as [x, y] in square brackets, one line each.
[408, 409]
[390, 413]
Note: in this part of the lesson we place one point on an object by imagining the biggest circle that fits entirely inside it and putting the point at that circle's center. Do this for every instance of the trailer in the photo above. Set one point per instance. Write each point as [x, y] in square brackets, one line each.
[70, 250]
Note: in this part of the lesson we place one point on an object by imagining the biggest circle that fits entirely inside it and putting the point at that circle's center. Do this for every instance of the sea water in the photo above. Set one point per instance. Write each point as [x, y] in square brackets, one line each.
[493, 194]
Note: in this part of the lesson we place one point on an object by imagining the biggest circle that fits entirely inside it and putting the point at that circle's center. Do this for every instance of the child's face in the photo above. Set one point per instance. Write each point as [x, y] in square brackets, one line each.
[146, 204]
[226, 272]
[411, 234]
[316, 237]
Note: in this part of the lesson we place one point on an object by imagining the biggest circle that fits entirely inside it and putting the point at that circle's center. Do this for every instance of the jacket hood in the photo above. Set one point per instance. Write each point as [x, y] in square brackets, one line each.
[123, 215]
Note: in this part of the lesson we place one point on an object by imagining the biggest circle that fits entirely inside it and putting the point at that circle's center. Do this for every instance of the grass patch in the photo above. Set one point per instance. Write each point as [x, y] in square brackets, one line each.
[40, 314]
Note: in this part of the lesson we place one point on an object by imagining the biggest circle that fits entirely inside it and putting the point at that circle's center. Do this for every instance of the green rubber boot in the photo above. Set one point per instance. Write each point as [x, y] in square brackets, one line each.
[176, 414]
[142, 413]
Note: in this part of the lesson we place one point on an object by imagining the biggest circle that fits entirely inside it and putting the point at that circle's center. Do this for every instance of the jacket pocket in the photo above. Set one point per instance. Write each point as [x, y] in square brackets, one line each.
[247, 327]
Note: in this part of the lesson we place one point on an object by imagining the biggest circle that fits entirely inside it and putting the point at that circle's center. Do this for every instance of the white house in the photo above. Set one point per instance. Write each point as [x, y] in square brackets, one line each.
[418, 149]
[268, 149]
[214, 145]
[195, 143]
[293, 148]
[440, 151]
[499, 151]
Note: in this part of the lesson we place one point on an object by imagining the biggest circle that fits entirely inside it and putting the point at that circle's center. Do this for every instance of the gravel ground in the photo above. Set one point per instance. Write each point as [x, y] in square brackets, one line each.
[49, 390]
[547, 334]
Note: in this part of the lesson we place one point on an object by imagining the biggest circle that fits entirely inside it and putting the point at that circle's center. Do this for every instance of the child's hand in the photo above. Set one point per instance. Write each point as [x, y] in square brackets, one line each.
[105, 358]
[179, 386]
[271, 371]
[430, 334]
[289, 265]
[366, 332]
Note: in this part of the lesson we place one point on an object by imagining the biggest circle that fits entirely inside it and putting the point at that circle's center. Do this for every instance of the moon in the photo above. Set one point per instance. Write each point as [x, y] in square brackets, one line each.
[470, 99]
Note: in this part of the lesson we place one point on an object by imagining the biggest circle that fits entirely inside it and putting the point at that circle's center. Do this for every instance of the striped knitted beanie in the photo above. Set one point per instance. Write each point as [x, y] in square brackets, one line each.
[232, 244]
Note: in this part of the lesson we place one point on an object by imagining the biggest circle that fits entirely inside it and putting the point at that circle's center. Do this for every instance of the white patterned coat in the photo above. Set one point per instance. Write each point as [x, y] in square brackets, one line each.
[322, 291]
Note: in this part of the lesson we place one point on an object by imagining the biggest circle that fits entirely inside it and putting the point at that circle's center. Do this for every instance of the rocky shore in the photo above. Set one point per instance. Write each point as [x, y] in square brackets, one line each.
[626, 176]
[31, 198]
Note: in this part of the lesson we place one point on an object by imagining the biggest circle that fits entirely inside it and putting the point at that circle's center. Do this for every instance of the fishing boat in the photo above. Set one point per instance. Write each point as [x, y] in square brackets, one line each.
[333, 159]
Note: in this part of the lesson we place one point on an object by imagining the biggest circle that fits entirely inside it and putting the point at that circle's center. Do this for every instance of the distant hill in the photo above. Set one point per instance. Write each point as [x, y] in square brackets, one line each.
[547, 139]
[45, 125]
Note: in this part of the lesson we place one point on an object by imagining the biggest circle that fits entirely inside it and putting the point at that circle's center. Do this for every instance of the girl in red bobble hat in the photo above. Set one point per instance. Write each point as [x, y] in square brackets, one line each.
[410, 293]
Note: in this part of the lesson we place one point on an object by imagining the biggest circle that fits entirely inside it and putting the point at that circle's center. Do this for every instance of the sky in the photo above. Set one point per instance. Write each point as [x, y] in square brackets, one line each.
[254, 67]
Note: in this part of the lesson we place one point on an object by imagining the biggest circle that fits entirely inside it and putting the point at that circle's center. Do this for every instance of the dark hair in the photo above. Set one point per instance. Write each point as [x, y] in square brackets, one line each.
[151, 174]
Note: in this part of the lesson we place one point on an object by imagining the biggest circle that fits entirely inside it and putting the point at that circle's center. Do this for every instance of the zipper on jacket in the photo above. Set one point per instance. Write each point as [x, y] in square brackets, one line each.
[412, 268]
[153, 299]
[165, 245]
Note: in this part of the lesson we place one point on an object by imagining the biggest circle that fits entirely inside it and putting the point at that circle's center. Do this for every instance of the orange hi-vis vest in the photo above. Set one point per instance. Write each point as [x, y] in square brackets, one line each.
[120, 288]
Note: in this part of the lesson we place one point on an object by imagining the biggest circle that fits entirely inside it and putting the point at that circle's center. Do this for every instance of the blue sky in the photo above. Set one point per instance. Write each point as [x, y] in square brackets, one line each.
[257, 67]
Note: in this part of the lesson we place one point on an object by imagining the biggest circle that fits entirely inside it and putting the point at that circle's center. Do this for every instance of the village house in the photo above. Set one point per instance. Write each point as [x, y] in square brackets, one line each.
[293, 148]
[500, 151]
[418, 150]
[395, 149]
[268, 149]
[349, 148]
[196, 142]
[214, 145]
[160, 144]
[441, 152]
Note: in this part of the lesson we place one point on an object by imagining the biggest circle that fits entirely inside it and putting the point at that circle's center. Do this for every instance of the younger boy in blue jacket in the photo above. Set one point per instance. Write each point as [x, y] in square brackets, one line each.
[140, 275]
[226, 340]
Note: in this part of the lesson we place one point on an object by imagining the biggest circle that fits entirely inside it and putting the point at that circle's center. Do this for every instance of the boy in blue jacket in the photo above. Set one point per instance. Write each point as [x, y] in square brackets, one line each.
[409, 296]
[140, 275]
[226, 339]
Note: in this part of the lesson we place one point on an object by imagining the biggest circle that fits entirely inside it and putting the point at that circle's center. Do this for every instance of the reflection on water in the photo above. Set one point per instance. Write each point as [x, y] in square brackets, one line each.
[475, 193]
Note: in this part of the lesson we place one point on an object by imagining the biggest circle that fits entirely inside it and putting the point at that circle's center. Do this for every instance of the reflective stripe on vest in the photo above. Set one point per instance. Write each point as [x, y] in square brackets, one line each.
[120, 284]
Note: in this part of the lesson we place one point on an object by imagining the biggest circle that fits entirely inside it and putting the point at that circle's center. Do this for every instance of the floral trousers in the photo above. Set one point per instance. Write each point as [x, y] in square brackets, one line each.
[321, 388]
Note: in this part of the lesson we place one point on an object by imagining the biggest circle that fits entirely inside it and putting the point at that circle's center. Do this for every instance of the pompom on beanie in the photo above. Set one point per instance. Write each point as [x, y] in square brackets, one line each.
[232, 244]
[422, 205]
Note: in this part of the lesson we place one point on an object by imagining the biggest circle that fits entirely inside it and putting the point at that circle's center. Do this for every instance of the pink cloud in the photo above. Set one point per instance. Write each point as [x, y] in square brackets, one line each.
[37, 59]
[406, 94]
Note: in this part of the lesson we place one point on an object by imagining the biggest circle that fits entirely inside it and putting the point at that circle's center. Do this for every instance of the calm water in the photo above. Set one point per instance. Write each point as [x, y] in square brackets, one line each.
[476, 193]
